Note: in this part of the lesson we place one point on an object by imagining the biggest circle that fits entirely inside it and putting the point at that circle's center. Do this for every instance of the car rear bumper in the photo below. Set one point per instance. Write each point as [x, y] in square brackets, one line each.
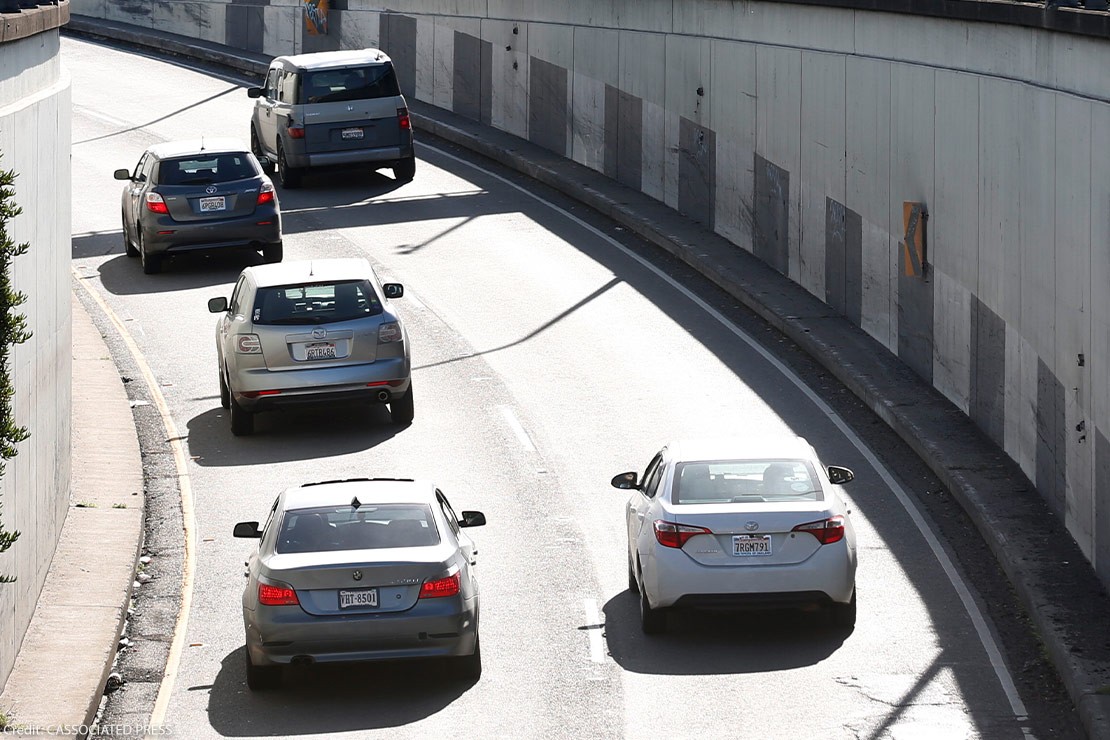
[321, 385]
[226, 234]
[673, 578]
[384, 155]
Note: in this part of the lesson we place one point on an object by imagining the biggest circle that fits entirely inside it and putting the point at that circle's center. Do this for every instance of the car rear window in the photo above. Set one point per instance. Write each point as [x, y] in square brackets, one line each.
[369, 527]
[349, 83]
[199, 170]
[318, 303]
[743, 481]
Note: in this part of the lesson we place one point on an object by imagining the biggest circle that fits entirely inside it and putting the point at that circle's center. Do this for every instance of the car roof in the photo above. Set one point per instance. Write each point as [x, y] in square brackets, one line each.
[368, 491]
[333, 59]
[214, 145]
[740, 448]
[296, 272]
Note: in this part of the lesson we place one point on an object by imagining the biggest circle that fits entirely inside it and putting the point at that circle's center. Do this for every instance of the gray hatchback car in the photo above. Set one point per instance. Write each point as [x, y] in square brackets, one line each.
[361, 570]
[311, 332]
[207, 194]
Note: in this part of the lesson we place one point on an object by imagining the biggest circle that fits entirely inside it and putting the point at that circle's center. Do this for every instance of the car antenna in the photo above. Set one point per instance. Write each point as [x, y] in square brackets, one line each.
[355, 503]
[311, 269]
[202, 142]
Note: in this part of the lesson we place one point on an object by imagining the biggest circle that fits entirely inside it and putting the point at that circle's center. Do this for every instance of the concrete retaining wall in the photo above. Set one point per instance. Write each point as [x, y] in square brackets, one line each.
[35, 113]
[802, 133]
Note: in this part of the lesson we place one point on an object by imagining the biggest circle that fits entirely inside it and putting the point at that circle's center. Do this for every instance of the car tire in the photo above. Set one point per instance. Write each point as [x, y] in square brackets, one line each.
[225, 392]
[469, 667]
[844, 615]
[152, 263]
[633, 584]
[652, 621]
[273, 253]
[261, 677]
[242, 421]
[290, 176]
[256, 150]
[402, 408]
[405, 170]
[128, 247]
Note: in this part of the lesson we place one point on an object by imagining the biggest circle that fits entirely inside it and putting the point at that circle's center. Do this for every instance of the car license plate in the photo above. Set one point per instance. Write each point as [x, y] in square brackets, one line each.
[352, 133]
[215, 203]
[320, 351]
[362, 597]
[751, 545]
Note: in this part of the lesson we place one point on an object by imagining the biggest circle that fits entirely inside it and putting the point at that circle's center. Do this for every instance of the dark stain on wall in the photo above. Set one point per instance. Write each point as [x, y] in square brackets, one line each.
[1052, 441]
[244, 23]
[466, 88]
[697, 171]
[987, 404]
[547, 106]
[487, 83]
[612, 131]
[915, 321]
[1102, 507]
[771, 218]
[324, 41]
[398, 40]
[844, 260]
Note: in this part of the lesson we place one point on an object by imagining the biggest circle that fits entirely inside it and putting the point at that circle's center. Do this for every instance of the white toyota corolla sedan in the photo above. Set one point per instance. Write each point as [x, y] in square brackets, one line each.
[739, 524]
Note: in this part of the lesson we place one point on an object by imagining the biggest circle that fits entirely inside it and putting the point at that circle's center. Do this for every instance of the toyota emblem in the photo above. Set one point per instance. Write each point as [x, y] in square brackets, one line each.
[210, 189]
[751, 526]
[350, 108]
[319, 333]
[357, 575]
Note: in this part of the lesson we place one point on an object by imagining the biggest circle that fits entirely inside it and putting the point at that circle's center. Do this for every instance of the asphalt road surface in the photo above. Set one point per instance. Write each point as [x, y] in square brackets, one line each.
[551, 351]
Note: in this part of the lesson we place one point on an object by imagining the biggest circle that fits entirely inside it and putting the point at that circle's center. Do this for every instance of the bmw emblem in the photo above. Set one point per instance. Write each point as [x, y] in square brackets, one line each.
[751, 526]
[357, 575]
[210, 189]
[319, 333]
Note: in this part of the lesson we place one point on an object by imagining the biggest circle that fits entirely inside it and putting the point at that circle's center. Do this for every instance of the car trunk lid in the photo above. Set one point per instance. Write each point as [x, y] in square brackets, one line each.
[751, 534]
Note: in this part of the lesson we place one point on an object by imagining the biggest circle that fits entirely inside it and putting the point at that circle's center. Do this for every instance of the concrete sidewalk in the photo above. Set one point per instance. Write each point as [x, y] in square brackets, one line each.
[69, 648]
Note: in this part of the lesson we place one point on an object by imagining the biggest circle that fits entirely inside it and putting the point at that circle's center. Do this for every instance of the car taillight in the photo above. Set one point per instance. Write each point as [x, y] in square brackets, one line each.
[448, 586]
[155, 204]
[675, 535]
[248, 344]
[276, 594]
[827, 531]
[266, 193]
[403, 119]
[389, 332]
[295, 131]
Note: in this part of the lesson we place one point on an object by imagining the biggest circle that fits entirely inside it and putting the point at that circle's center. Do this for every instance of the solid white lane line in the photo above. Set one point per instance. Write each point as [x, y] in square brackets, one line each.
[518, 430]
[973, 611]
[158, 715]
[593, 629]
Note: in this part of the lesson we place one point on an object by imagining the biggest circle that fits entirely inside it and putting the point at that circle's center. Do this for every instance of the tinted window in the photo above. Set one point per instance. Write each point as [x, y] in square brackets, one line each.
[325, 528]
[652, 476]
[319, 303]
[349, 83]
[202, 170]
[739, 481]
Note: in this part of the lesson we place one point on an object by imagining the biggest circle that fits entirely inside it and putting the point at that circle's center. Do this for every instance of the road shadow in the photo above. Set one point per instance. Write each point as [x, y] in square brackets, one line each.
[712, 643]
[325, 699]
[291, 434]
[336, 187]
[123, 275]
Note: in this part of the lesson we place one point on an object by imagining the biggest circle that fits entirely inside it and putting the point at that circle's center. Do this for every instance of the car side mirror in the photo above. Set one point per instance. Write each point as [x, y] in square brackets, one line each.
[472, 519]
[393, 290]
[839, 476]
[122, 174]
[624, 481]
[217, 305]
[254, 92]
[248, 530]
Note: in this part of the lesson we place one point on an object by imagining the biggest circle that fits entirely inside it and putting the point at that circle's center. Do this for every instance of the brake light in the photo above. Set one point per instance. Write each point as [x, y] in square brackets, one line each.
[266, 194]
[676, 535]
[438, 588]
[403, 119]
[248, 344]
[276, 594]
[259, 394]
[295, 131]
[155, 204]
[389, 332]
[827, 531]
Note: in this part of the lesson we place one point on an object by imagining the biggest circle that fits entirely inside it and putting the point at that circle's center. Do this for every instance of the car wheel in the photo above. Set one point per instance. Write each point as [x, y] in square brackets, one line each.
[261, 677]
[273, 252]
[290, 176]
[152, 263]
[633, 584]
[844, 615]
[469, 667]
[242, 421]
[405, 170]
[652, 621]
[225, 393]
[128, 247]
[402, 408]
[256, 148]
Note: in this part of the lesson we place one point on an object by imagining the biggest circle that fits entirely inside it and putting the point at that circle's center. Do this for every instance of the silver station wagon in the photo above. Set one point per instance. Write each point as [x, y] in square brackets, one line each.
[311, 332]
[361, 570]
[332, 109]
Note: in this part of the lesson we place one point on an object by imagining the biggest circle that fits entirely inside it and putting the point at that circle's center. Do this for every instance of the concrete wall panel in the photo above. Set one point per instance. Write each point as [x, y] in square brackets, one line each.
[1102, 513]
[205, 20]
[397, 34]
[1098, 363]
[988, 371]
[466, 88]
[827, 29]
[642, 74]
[508, 75]
[778, 121]
[821, 171]
[548, 106]
[360, 32]
[596, 64]
[1020, 440]
[1051, 476]
[771, 217]
[732, 104]
[689, 69]
[282, 31]
[1000, 206]
[952, 339]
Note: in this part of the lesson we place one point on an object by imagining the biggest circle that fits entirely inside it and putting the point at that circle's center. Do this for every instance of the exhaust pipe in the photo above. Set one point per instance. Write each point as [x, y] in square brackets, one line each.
[383, 396]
